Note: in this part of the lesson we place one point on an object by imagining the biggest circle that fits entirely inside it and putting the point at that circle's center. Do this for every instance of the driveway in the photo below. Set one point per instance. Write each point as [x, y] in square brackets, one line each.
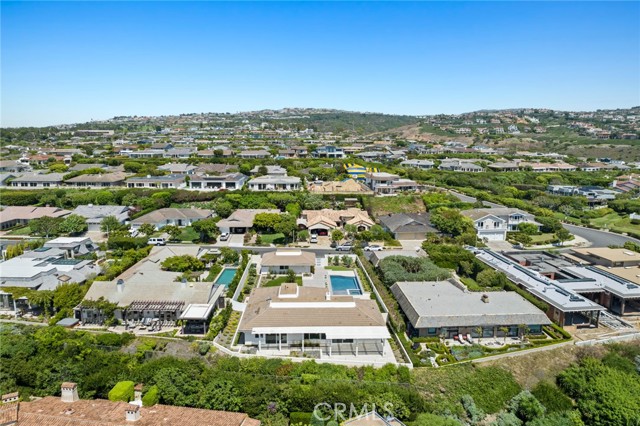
[599, 238]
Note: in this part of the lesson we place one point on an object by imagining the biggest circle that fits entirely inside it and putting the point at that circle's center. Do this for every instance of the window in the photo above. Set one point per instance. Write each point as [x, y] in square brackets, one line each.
[271, 338]
[432, 331]
[315, 336]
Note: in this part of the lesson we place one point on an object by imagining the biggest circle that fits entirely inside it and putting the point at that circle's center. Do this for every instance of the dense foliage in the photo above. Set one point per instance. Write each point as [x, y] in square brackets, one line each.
[403, 268]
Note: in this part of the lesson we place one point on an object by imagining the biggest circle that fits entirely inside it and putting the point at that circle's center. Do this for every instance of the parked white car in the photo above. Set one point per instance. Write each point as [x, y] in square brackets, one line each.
[224, 236]
[374, 247]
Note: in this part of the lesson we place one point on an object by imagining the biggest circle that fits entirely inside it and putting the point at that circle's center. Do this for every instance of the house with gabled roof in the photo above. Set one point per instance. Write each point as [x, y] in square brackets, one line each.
[321, 222]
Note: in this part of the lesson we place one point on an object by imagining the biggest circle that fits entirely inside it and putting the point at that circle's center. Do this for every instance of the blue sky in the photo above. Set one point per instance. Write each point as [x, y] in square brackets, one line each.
[72, 62]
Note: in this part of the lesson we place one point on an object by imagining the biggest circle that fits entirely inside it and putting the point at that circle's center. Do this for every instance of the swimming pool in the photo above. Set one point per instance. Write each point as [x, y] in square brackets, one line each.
[226, 276]
[343, 285]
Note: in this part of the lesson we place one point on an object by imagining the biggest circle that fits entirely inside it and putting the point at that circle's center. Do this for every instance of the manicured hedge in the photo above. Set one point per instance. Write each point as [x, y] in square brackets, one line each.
[298, 418]
[122, 391]
[152, 397]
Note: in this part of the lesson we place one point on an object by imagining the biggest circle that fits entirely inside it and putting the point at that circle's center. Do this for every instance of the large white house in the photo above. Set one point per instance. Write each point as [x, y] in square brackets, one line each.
[274, 183]
[281, 261]
[493, 224]
[291, 317]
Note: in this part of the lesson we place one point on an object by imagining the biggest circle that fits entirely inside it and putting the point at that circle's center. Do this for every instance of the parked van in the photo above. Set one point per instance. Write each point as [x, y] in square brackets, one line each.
[157, 241]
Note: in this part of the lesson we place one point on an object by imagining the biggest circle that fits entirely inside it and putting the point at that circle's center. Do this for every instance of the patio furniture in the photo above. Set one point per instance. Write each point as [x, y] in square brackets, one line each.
[461, 338]
[469, 338]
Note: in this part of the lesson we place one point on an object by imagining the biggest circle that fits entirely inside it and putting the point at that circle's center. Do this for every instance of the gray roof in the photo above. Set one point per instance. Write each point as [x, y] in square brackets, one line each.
[443, 304]
[90, 211]
[162, 215]
[38, 177]
[407, 222]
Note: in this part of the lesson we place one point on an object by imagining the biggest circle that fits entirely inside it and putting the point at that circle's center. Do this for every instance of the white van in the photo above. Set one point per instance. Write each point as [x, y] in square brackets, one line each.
[157, 241]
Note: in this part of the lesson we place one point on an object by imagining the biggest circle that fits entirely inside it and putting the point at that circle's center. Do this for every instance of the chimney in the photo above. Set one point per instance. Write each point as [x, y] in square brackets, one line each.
[10, 397]
[120, 285]
[69, 392]
[137, 392]
[132, 413]
[485, 298]
[327, 296]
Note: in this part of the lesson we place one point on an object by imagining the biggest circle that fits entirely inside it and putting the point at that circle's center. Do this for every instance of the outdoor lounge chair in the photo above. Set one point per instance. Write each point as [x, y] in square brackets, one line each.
[461, 338]
[469, 338]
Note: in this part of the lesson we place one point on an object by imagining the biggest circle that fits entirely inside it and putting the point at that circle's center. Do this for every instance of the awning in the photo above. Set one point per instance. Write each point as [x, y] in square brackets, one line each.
[377, 332]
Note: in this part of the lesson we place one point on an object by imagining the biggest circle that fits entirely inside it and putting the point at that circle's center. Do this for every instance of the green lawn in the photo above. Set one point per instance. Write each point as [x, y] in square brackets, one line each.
[542, 239]
[188, 234]
[25, 230]
[280, 280]
[616, 223]
[338, 268]
[396, 204]
[273, 238]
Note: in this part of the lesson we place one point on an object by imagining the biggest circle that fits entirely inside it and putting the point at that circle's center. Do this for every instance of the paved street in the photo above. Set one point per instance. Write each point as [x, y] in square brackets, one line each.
[599, 238]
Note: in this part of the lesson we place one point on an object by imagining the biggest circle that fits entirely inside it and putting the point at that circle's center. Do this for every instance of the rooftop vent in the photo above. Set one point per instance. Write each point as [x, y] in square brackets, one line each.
[485, 298]
[69, 392]
[132, 413]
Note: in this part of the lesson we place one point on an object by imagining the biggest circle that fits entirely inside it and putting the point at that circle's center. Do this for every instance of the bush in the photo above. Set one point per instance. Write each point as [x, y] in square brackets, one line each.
[152, 397]
[126, 243]
[122, 391]
[403, 268]
[184, 263]
[552, 397]
[298, 418]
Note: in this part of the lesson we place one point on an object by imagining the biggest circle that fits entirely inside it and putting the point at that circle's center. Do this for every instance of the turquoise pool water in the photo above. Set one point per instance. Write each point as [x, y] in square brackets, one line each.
[344, 285]
[226, 276]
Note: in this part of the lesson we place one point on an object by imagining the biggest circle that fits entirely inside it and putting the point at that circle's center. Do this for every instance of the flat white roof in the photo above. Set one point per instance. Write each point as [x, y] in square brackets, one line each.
[551, 291]
[197, 311]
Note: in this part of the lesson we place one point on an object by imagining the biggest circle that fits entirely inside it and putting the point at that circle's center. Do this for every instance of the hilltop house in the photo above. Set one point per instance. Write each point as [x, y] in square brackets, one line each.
[291, 317]
[275, 183]
[226, 182]
[96, 214]
[407, 226]
[493, 224]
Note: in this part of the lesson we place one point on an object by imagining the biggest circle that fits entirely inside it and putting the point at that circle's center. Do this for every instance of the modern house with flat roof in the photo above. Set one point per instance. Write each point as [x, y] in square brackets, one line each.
[328, 151]
[616, 288]
[566, 305]
[73, 246]
[171, 216]
[291, 317]
[223, 182]
[280, 261]
[241, 220]
[608, 257]
[388, 183]
[418, 164]
[444, 308]
[275, 183]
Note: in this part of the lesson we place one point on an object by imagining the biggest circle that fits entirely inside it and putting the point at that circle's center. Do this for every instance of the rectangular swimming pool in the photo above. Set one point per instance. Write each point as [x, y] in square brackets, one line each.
[226, 276]
[342, 285]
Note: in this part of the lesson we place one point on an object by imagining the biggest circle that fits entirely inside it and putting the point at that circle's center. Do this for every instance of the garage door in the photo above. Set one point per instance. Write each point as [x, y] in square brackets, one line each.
[410, 236]
[498, 236]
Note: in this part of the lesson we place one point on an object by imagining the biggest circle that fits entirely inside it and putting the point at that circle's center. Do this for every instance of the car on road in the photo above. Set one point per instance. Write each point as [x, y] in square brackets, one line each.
[224, 236]
[313, 239]
[374, 247]
[157, 241]
[345, 247]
